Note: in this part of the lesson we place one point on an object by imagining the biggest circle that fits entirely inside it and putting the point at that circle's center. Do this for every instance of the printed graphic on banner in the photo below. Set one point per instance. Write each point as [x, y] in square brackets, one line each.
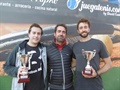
[106, 10]
[73, 4]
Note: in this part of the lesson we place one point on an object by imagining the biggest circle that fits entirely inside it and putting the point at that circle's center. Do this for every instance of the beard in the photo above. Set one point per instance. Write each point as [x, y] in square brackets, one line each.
[84, 34]
[60, 39]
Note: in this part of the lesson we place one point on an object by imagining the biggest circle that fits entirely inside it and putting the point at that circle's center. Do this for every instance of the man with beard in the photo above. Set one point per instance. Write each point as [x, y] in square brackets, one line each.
[88, 78]
[59, 55]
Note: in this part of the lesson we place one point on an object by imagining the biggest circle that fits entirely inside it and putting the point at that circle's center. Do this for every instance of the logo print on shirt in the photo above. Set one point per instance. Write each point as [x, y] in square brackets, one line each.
[34, 62]
[73, 4]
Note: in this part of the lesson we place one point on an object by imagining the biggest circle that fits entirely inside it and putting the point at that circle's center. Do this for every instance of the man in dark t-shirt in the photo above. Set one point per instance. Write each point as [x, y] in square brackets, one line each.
[88, 73]
[36, 66]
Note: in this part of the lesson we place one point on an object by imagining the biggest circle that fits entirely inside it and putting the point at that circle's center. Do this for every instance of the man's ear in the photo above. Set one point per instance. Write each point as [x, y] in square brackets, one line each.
[28, 35]
[89, 30]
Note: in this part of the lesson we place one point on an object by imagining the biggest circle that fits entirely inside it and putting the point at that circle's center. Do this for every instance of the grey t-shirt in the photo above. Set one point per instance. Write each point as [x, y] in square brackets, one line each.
[82, 83]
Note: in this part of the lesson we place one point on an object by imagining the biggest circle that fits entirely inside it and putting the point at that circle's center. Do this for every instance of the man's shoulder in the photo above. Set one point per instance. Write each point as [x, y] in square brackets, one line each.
[70, 45]
[49, 45]
[76, 43]
[97, 41]
[42, 44]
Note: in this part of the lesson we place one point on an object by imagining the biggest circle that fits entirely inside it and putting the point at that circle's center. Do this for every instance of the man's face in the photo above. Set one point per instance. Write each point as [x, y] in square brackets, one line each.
[60, 34]
[83, 30]
[34, 35]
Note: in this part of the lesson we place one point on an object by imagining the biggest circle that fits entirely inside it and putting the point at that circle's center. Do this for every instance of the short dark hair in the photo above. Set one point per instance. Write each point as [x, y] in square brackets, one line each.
[35, 25]
[83, 20]
[63, 25]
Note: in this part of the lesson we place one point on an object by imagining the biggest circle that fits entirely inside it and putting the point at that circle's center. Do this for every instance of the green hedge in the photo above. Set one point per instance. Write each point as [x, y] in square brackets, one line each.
[5, 82]
[111, 80]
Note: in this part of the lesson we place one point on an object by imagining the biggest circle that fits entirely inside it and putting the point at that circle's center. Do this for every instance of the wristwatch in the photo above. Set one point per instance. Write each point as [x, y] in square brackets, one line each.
[97, 74]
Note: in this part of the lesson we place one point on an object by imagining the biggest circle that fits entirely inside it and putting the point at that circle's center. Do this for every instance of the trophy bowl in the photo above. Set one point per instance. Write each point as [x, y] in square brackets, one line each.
[88, 56]
[23, 76]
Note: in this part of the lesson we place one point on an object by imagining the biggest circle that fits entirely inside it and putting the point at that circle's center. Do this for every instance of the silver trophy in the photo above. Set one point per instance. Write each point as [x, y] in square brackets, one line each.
[88, 55]
[23, 76]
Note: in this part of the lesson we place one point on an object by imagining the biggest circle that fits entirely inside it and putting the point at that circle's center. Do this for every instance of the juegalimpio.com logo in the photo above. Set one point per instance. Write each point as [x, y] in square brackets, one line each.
[73, 4]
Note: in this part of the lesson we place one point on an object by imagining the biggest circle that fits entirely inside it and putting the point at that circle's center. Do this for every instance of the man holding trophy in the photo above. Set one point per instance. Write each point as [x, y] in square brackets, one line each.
[27, 62]
[88, 52]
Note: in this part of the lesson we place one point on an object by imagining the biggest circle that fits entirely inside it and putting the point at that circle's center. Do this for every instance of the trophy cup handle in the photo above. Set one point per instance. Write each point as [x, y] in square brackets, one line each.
[94, 52]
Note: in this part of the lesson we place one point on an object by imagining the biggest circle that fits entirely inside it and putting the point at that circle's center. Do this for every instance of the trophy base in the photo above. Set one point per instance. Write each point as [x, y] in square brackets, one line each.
[87, 72]
[24, 80]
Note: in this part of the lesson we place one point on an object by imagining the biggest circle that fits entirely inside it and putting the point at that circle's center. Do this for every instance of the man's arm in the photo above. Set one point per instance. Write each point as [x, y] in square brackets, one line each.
[73, 64]
[9, 67]
[106, 67]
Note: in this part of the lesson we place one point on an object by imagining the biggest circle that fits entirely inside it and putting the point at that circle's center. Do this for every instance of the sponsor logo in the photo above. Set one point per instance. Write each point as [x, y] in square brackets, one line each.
[46, 1]
[73, 4]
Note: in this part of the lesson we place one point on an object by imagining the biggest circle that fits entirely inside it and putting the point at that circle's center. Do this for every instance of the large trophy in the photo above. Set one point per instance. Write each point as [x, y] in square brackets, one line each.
[23, 76]
[88, 55]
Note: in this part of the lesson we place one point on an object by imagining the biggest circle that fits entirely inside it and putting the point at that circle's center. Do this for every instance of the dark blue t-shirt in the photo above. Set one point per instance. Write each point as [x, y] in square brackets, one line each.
[81, 62]
[35, 70]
